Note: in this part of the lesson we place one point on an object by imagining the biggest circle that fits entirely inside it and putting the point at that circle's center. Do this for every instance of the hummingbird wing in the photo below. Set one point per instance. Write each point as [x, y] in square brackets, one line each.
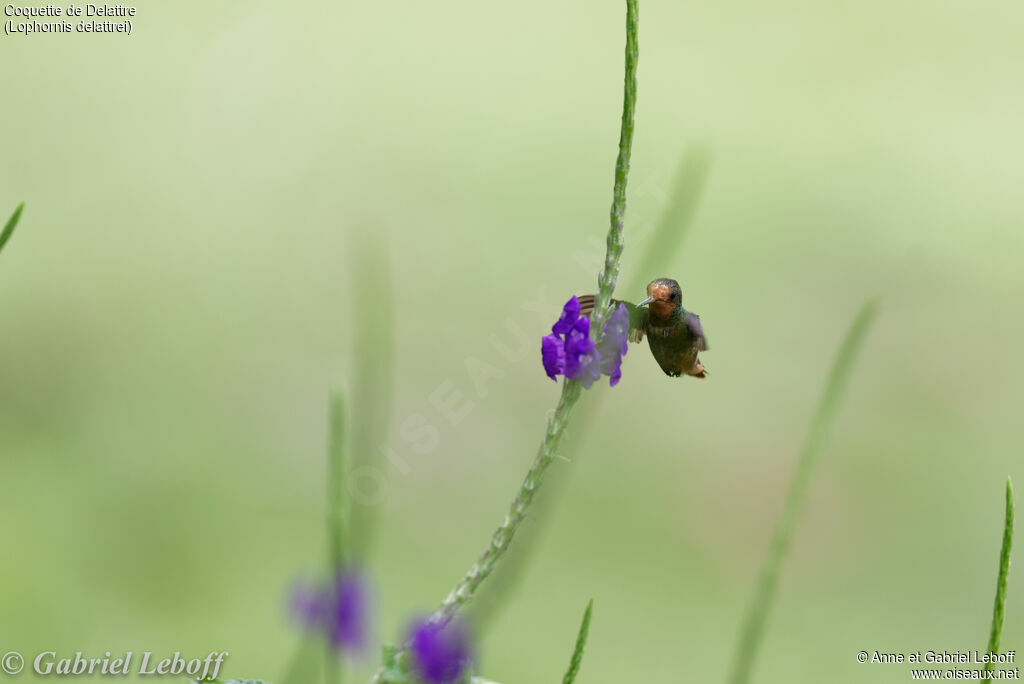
[697, 330]
[637, 321]
[637, 315]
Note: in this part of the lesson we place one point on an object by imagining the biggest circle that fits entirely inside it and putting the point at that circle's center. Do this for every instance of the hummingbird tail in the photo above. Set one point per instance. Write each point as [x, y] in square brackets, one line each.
[587, 303]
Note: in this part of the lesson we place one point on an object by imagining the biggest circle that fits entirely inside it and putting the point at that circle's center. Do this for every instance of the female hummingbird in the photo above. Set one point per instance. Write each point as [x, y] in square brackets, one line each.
[673, 333]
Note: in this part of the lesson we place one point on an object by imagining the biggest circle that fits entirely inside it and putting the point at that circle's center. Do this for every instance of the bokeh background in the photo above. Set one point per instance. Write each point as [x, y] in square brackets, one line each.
[181, 296]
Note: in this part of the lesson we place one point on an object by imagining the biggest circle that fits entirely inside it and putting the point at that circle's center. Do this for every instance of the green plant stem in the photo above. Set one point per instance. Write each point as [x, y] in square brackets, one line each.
[463, 591]
[659, 257]
[820, 427]
[581, 643]
[11, 224]
[999, 609]
[372, 386]
[337, 473]
[337, 515]
[465, 588]
[354, 450]
[610, 273]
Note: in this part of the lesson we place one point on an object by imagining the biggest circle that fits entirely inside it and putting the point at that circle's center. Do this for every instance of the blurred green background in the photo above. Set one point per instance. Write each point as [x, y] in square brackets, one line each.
[178, 302]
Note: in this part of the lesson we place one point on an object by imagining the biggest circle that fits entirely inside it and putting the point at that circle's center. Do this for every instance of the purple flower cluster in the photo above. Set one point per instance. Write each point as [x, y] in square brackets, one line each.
[440, 653]
[339, 611]
[569, 351]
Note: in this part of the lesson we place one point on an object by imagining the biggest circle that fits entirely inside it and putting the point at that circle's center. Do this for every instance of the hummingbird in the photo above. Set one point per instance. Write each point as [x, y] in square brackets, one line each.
[674, 334]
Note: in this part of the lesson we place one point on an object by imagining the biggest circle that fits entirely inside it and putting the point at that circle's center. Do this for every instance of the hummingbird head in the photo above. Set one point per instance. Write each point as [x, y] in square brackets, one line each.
[664, 296]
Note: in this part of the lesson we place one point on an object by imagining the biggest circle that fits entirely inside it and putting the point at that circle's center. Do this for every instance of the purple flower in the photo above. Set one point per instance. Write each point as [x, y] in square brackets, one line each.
[347, 618]
[339, 610]
[569, 351]
[552, 352]
[440, 653]
[308, 606]
[579, 349]
[614, 344]
[570, 312]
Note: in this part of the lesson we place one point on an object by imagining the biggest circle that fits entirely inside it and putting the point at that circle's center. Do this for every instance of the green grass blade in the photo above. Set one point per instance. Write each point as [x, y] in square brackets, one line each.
[308, 665]
[305, 664]
[337, 514]
[999, 609]
[660, 257]
[581, 642]
[337, 486]
[828, 407]
[372, 387]
[11, 224]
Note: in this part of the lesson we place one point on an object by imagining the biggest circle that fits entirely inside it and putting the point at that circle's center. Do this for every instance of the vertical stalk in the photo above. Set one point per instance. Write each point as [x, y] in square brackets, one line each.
[610, 273]
[12, 222]
[463, 591]
[581, 643]
[337, 516]
[372, 386]
[999, 609]
[337, 474]
[757, 615]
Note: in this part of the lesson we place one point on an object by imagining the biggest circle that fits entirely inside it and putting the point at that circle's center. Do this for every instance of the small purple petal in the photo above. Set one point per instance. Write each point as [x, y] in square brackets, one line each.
[611, 364]
[308, 606]
[577, 345]
[617, 328]
[440, 652]
[570, 314]
[347, 617]
[614, 344]
[615, 373]
[339, 611]
[552, 353]
[589, 369]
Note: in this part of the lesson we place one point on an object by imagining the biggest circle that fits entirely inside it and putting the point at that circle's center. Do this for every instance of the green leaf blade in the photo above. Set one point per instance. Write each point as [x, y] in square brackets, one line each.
[581, 642]
[828, 408]
[999, 608]
[664, 242]
[11, 225]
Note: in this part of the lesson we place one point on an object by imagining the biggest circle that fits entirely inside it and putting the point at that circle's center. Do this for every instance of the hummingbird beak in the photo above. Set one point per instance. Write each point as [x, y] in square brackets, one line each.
[646, 301]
